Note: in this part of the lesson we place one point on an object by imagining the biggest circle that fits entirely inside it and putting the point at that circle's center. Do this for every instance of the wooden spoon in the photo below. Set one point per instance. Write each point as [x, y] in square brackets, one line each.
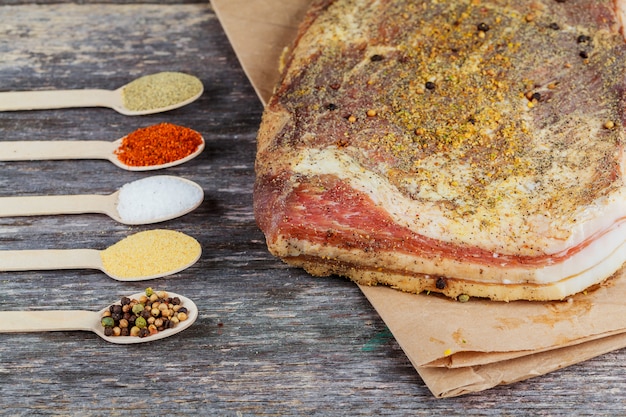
[76, 149]
[59, 99]
[68, 320]
[105, 204]
[52, 259]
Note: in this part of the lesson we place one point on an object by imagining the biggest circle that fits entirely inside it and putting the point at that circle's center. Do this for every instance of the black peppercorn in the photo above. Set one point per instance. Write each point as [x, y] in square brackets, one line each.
[536, 96]
[331, 106]
[583, 39]
[441, 283]
[554, 26]
[584, 54]
[483, 27]
[429, 85]
[376, 58]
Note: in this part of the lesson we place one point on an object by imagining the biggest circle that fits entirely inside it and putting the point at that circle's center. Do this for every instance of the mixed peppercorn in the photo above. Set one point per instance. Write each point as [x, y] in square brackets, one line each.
[144, 316]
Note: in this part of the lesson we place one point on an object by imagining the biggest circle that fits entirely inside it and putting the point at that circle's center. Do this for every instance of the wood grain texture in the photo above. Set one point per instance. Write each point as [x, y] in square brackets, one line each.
[270, 340]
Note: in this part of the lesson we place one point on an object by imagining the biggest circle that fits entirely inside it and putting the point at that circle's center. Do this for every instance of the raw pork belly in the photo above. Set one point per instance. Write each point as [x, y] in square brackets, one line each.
[462, 147]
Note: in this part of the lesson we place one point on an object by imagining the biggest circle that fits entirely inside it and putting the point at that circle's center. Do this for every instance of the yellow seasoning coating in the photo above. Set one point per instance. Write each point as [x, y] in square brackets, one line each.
[150, 253]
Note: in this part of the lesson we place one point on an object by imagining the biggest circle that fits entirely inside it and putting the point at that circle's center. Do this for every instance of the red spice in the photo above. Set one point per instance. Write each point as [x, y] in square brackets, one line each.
[158, 144]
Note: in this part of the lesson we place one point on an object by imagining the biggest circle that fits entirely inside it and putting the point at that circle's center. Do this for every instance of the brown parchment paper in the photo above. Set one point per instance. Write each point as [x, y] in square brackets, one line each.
[457, 348]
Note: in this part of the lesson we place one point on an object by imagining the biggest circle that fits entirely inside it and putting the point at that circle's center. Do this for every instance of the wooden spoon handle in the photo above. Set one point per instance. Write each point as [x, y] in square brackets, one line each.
[50, 320]
[52, 204]
[55, 150]
[48, 259]
[58, 99]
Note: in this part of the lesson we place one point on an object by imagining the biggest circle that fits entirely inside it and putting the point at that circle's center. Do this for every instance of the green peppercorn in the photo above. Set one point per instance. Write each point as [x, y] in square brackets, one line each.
[464, 298]
[149, 292]
[140, 322]
[138, 308]
[108, 322]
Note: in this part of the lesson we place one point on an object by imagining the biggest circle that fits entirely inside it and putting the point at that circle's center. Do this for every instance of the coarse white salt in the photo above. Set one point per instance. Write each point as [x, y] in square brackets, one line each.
[157, 198]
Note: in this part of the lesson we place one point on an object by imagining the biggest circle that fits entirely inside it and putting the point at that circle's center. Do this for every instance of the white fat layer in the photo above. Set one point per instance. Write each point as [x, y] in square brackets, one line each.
[600, 259]
[590, 266]
[427, 217]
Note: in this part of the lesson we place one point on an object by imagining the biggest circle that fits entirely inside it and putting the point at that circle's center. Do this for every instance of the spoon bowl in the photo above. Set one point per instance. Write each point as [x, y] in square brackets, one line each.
[114, 99]
[75, 149]
[85, 320]
[116, 161]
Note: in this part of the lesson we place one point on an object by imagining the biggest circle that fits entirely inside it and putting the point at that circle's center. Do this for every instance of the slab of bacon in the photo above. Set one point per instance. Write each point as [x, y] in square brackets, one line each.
[465, 147]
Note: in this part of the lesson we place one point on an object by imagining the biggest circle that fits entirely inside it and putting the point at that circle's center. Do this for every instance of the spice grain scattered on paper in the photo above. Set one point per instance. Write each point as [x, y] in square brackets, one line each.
[158, 197]
[160, 90]
[150, 253]
[158, 144]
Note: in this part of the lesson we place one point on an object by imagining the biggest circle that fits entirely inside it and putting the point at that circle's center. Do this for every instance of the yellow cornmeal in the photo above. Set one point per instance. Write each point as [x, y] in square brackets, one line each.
[149, 253]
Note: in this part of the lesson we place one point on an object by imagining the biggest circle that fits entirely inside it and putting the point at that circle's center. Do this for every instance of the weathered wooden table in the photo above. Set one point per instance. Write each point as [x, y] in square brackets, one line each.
[270, 340]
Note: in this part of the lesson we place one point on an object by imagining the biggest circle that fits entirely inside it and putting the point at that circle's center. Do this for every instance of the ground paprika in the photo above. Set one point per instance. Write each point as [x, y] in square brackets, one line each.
[158, 144]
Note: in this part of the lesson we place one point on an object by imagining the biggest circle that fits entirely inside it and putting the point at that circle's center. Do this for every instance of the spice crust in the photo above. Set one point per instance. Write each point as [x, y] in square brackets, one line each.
[474, 111]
